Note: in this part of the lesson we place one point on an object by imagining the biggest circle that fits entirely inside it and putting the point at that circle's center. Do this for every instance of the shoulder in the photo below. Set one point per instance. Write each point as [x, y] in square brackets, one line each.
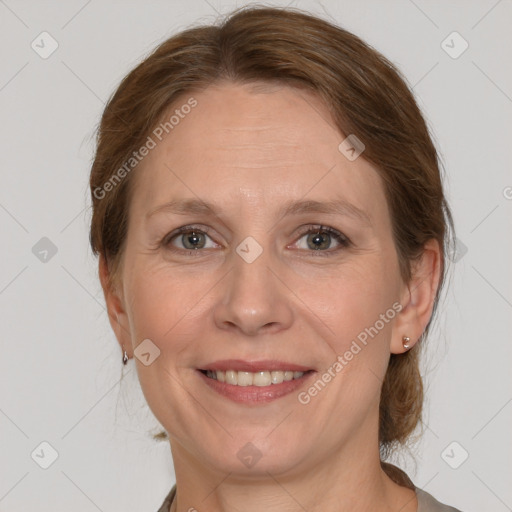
[427, 503]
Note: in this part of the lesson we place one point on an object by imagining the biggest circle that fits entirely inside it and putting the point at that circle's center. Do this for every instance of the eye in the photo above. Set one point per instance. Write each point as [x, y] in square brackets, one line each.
[188, 239]
[320, 238]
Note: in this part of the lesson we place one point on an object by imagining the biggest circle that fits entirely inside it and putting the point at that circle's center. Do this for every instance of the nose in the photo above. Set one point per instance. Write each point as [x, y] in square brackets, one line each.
[253, 299]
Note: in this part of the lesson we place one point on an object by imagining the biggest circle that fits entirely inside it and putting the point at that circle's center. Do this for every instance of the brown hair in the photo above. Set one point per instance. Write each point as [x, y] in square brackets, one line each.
[366, 95]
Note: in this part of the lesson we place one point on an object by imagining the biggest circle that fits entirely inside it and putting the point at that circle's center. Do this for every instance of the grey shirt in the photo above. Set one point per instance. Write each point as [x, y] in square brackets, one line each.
[426, 502]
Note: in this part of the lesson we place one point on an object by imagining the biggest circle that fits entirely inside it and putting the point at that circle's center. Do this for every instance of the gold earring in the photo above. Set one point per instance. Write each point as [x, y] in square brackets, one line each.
[405, 342]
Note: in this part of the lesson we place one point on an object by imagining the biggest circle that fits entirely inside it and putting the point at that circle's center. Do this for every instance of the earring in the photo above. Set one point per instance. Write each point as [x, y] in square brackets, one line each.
[125, 358]
[405, 342]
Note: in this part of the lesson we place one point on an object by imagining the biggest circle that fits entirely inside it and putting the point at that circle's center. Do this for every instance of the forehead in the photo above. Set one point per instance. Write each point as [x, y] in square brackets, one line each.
[265, 121]
[255, 144]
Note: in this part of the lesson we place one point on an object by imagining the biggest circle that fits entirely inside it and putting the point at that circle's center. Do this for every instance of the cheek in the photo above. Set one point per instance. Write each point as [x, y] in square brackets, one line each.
[165, 305]
[353, 297]
[153, 307]
[162, 308]
[358, 305]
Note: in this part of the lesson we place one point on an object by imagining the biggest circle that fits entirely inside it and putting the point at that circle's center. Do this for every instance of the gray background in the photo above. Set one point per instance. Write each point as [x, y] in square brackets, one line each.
[60, 365]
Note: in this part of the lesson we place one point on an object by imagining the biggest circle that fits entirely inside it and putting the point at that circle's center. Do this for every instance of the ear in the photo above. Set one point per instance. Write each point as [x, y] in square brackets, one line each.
[417, 298]
[115, 307]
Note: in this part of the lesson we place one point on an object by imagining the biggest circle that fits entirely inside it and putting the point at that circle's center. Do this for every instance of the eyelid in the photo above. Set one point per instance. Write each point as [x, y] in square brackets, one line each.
[310, 228]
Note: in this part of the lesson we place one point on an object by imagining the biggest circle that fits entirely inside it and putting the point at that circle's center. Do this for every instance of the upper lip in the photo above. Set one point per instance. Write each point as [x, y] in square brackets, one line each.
[254, 366]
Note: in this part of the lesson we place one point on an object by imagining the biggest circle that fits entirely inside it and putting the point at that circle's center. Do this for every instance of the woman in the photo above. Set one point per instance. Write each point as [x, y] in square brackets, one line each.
[271, 229]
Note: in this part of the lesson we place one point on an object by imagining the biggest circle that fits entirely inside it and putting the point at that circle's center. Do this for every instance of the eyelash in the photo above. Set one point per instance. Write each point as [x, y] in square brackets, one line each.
[343, 241]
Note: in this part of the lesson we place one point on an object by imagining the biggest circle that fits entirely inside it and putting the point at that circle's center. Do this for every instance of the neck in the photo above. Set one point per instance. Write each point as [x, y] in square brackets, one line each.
[342, 482]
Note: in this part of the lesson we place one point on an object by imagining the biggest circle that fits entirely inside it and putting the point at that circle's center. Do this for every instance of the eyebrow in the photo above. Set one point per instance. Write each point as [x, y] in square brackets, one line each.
[334, 207]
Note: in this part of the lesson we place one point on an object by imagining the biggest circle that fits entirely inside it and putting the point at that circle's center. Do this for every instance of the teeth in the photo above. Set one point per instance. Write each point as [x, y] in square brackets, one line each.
[262, 378]
[231, 377]
[277, 377]
[244, 379]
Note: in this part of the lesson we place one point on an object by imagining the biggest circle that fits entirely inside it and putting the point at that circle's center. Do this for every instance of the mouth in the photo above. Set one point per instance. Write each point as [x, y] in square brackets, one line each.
[254, 383]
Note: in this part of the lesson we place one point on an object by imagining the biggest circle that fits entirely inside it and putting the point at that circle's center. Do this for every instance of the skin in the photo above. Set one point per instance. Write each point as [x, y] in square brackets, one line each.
[248, 149]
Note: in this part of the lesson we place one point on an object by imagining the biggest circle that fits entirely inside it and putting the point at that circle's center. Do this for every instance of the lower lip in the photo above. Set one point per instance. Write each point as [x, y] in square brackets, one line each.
[255, 394]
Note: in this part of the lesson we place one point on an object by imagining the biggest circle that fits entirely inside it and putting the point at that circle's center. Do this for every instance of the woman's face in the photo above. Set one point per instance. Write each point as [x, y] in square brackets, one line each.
[264, 289]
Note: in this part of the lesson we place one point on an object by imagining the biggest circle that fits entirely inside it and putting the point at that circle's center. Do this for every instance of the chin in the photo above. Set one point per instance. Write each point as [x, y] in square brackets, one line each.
[257, 458]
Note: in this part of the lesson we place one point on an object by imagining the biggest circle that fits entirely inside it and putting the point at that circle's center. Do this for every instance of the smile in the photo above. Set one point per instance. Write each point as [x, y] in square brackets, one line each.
[256, 382]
